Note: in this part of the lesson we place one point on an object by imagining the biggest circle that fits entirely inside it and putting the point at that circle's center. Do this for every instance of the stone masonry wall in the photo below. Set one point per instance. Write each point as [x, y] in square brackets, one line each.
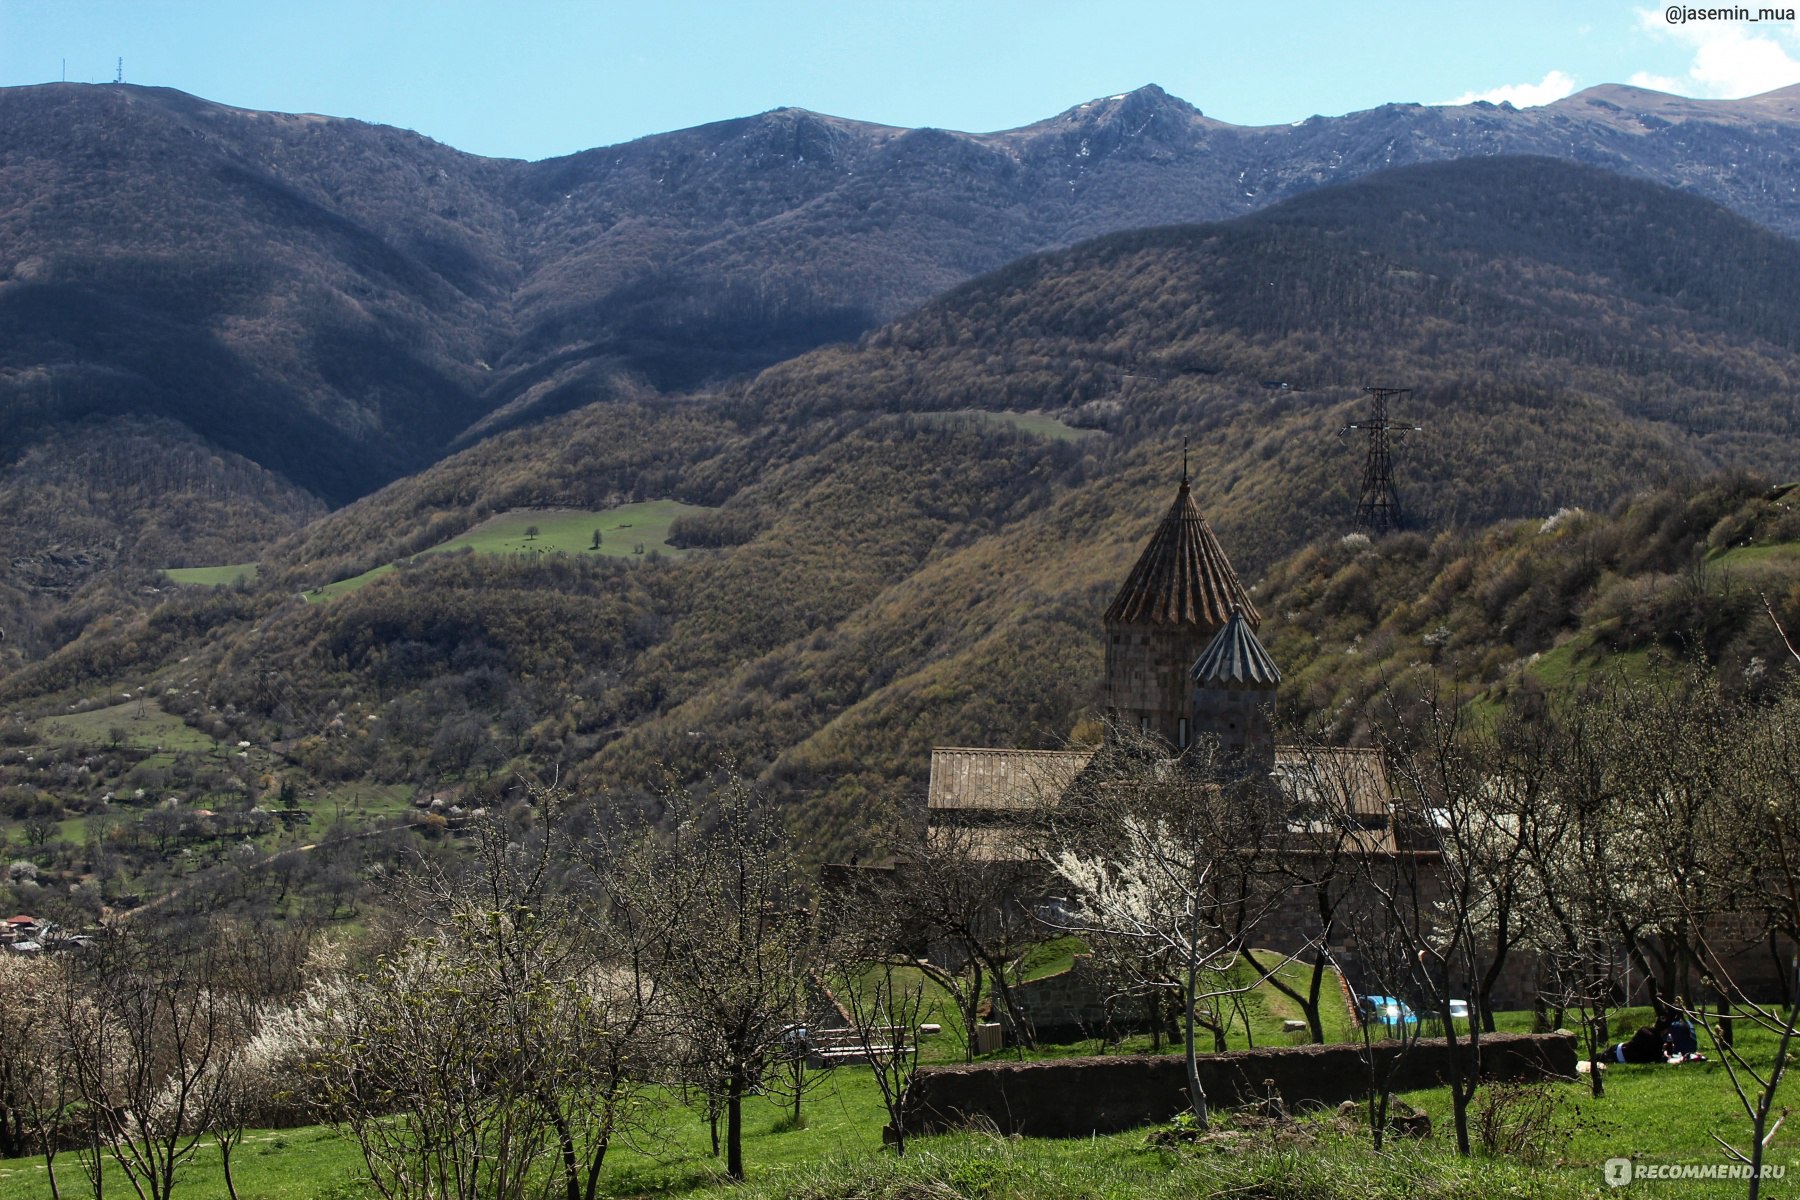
[1076, 1097]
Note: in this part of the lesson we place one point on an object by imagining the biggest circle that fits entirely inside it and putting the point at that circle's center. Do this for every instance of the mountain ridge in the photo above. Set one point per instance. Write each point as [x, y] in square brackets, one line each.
[344, 303]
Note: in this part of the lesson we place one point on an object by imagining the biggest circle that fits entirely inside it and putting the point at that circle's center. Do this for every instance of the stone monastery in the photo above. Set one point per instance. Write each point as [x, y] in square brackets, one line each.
[1182, 662]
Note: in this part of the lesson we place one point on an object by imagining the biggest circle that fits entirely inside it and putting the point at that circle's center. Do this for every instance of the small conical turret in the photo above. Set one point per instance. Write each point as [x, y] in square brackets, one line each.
[1234, 682]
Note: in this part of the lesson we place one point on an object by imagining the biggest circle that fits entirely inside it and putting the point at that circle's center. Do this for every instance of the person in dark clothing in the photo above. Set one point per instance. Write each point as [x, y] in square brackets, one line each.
[1645, 1046]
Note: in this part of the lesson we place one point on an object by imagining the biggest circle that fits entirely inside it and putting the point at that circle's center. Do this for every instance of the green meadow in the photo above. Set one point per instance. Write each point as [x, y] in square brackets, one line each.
[628, 531]
[1036, 423]
[139, 724]
[1653, 1114]
[212, 576]
[625, 532]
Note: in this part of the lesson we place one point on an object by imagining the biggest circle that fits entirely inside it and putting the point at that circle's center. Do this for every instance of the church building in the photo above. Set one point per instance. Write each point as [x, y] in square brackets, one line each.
[1183, 662]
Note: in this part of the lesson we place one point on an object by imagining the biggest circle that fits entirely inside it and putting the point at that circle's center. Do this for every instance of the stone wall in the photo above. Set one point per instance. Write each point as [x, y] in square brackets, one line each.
[1076, 1097]
[1073, 1005]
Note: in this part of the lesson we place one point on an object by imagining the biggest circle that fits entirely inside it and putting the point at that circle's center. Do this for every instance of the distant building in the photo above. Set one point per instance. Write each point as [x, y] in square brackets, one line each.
[1183, 662]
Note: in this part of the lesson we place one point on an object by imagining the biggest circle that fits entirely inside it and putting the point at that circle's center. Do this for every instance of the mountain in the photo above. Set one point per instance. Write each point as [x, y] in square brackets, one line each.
[342, 304]
[915, 535]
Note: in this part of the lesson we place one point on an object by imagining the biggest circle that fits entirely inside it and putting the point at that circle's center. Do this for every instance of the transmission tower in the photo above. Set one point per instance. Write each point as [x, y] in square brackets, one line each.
[1378, 505]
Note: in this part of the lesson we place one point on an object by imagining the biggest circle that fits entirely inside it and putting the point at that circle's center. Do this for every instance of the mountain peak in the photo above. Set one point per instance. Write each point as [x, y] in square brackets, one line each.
[1631, 105]
[1144, 103]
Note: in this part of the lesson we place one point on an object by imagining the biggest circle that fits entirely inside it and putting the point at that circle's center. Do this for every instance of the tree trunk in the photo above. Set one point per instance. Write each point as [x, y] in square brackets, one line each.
[1310, 1006]
[734, 1126]
[1462, 1084]
[225, 1165]
[972, 1017]
[1597, 1040]
[12, 1134]
[1196, 1093]
[565, 1144]
[1021, 1025]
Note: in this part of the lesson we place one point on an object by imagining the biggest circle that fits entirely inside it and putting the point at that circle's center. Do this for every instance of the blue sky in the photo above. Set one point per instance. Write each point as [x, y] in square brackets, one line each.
[534, 78]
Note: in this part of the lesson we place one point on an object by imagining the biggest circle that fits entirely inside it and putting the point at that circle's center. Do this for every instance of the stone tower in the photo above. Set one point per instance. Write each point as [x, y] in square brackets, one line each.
[1234, 684]
[1180, 594]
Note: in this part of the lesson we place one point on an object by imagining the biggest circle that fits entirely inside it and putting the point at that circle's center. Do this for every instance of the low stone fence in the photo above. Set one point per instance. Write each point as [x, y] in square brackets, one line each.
[1079, 1096]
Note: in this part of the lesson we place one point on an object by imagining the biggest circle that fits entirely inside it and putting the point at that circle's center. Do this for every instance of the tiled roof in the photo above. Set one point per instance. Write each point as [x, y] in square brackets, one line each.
[1001, 779]
[1182, 577]
[1236, 656]
[1350, 778]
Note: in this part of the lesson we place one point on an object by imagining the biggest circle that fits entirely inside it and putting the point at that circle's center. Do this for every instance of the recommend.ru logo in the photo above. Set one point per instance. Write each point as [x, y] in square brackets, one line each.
[1621, 1171]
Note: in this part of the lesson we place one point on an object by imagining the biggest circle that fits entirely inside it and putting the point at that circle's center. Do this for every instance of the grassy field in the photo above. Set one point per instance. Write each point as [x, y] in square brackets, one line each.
[1573, 662]
[1039, 424]
[364, 801]
[1656, 1114]
[1747, 555]
[140, 724]
[212, 576]
[622, 531]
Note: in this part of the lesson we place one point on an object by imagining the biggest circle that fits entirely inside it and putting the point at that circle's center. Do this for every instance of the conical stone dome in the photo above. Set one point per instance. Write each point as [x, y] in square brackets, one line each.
[1182, 577]
[1181, 592]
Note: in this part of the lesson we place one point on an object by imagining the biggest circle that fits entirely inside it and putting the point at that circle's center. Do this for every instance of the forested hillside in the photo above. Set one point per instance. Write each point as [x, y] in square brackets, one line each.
[908, 541]
[342, 304]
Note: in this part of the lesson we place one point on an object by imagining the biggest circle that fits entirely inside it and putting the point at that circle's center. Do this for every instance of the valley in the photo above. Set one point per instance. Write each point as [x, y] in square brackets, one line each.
[457, 615]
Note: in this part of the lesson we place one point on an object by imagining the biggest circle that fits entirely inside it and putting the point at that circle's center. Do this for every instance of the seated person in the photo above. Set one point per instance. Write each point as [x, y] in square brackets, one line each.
[1682, 1042]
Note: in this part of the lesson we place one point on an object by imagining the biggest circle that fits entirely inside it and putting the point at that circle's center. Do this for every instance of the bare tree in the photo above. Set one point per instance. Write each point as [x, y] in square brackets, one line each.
[1456, 920]
[965, 898]
[500, 1035]
[36, 1086]
[143, 1052]
[735, 965]
[885, 1004]
[1752, 855]
[1587, 859]
[1386, 966]
[259, 967]
[1331, 803]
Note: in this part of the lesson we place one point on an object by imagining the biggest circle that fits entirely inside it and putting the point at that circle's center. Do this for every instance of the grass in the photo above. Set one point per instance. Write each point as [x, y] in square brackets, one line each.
[142, 725]
[1049, 958]
[212, 576]
[1562, 667]
[559, 531]
[363, 801]
[1273, 1008]
[1036, 423]
[1747, 555]
[285, 1164]
[1651, 1113]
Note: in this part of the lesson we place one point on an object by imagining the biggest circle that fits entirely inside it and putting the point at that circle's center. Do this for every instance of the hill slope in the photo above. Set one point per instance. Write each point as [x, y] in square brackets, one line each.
[898, 561]
[342, 303]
